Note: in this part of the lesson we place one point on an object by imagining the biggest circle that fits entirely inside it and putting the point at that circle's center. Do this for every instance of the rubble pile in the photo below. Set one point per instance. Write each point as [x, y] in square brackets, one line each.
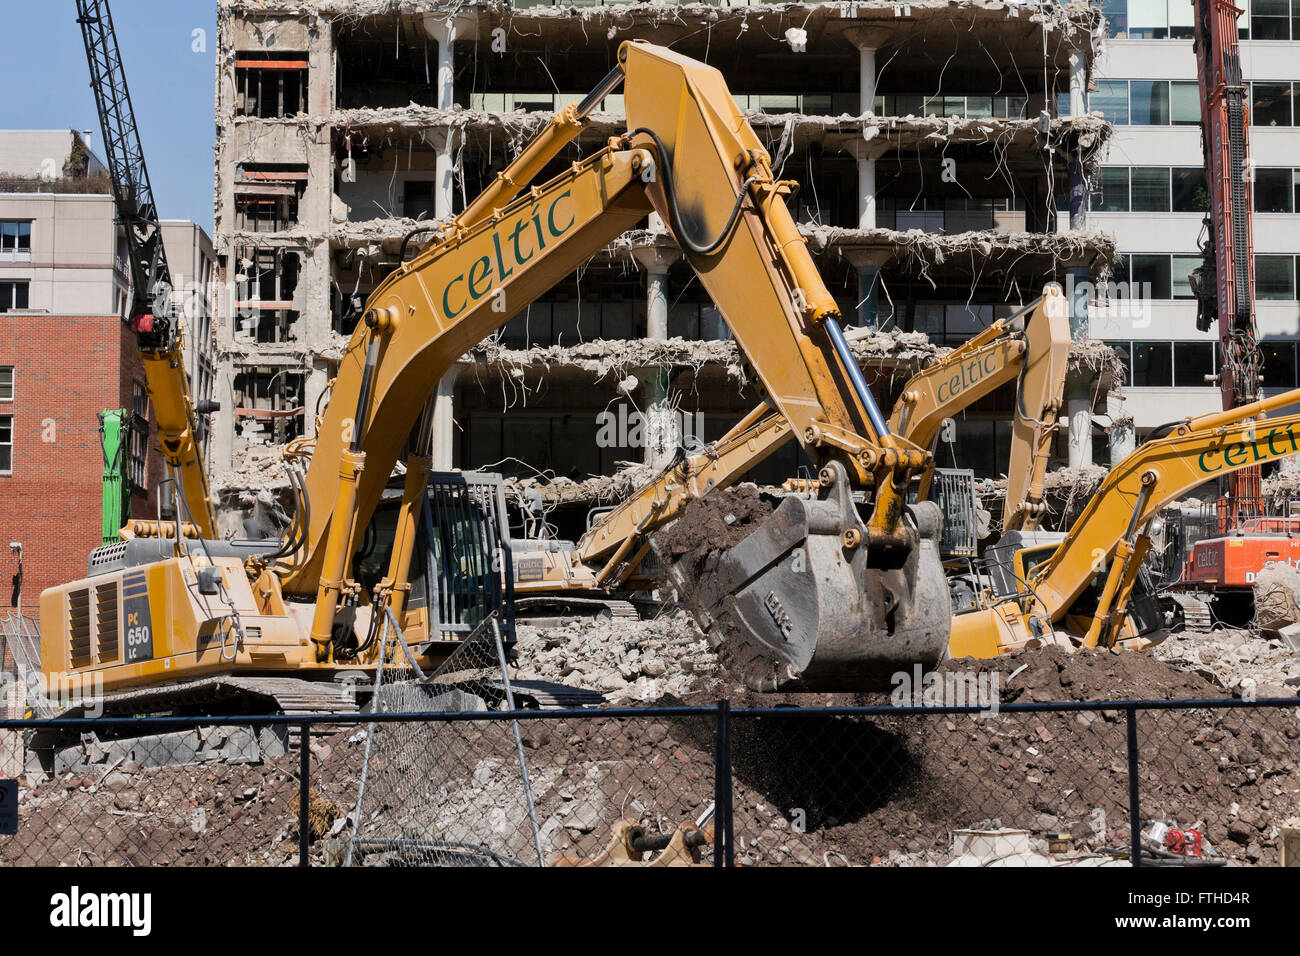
[628, 661]
[1238, 662]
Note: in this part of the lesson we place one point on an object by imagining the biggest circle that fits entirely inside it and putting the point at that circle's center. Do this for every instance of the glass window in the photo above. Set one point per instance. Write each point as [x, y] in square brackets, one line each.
[1189, 192]
[1182, 20]
[1110, 189]
[15, 238]
[1151, 276]
[909, 105]
[1116, 12]
[1184, 103]
[1270, 104]
[6, 443]
[1111, 98]
[1273, 190]
[979, 107]
[928, 318]
[1179, 271]
[1192, 362]
[1152, 364]
[1271, 19]
[1279, 364]
[1150, 188]
[1148, 19]
[1275, 278]
[1149, 102]
[13, 295]
[6, 383]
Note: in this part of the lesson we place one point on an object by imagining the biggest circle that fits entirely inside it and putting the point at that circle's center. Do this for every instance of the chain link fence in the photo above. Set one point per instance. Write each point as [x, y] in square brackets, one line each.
[1065, 784]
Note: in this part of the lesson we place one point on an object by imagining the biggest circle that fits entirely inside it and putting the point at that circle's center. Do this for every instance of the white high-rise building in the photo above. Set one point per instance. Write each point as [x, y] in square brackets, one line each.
[1150, 191]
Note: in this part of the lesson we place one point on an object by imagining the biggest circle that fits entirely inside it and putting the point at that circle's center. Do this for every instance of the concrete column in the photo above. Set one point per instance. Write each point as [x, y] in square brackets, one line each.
[866, 188]
[443, 440]
[1123, 440]
[443, 31]
[867, 79]
[1078, 83]
[868, 40]
[1079, 408]
[444, 175]
[221, 454]
[313, 386]
[662, 434]
[868, 263]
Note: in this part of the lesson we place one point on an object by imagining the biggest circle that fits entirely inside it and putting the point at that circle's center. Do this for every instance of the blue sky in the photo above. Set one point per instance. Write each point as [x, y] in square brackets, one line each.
[47, 86]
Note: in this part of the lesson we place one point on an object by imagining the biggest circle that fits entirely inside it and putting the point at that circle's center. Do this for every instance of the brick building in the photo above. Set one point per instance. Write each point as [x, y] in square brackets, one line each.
[66, 354]
[63, 370]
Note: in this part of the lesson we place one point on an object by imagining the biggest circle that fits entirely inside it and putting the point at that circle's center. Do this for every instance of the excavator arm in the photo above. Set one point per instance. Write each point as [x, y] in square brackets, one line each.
[1109, 537]
[690, 155]
[1031, 346]
[152, 319]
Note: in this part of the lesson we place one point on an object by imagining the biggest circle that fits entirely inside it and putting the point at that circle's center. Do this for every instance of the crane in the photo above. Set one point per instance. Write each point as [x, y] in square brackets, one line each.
[1224, 284]
[152, 315]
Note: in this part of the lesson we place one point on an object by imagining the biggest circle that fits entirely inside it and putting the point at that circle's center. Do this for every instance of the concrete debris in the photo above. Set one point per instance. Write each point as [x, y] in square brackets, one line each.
[626, 660]
[1093, 355]
[260, 467]
[985, 250]
[1239, 662]
[557, 490]
[604, 359]
[1277, 597]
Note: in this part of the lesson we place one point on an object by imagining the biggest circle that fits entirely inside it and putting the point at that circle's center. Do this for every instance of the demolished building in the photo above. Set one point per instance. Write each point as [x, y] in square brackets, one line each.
[943, 151]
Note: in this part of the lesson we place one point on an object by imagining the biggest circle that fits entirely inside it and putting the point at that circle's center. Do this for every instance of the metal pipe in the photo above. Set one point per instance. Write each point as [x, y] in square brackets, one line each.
[612, 81]
[856, 378]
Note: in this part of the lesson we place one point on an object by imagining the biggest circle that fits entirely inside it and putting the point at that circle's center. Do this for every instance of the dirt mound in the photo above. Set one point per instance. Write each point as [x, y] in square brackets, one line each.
[716, 522]
[1054, 674]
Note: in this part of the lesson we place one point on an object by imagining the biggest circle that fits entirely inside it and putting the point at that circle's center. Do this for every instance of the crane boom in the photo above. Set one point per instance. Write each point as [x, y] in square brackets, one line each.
[1225, 282]
[152, 316]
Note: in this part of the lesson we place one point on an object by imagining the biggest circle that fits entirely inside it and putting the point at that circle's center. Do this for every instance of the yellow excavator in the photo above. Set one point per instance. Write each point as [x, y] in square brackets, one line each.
[1031, 348]
[844, 589]
[1085, 588]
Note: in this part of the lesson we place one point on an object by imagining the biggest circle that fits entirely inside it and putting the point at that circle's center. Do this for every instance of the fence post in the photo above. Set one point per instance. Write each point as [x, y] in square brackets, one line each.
[1134, 807]
[304, 776]
[723, 851]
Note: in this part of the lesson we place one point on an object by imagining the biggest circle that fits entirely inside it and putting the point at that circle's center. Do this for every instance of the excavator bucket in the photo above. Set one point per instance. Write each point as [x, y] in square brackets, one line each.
[791, 608]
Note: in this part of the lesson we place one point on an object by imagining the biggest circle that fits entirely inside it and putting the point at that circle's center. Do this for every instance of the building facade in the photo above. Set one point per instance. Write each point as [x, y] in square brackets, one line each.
[1150, 192]
[67, 354]
[936, 144]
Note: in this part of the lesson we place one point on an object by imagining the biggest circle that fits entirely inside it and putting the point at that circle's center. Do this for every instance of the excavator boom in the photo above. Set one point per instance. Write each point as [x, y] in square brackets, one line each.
[1031, 346]
[1109, 536]
[728, 214]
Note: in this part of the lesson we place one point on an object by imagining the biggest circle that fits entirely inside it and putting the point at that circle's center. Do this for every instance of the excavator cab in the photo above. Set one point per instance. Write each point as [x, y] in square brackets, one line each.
[460, 569]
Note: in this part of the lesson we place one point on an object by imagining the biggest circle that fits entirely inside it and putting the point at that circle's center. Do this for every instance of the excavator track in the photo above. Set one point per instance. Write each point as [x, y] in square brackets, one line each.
[1195, 610]
[552, 610]
[227, 696]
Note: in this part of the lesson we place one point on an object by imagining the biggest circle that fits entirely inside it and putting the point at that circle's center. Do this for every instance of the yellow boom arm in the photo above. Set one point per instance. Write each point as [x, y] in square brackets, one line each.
[1110, 533]
[691, 155]
[1033, 345]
